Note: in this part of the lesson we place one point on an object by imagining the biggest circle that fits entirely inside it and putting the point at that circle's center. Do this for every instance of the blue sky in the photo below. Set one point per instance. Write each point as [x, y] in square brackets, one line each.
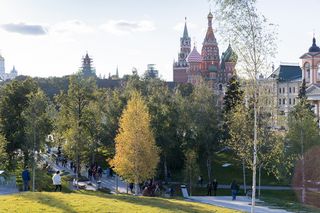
[49, 37]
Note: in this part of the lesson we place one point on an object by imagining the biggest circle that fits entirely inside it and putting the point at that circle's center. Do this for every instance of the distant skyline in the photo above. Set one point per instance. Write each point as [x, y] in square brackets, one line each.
[48, 38]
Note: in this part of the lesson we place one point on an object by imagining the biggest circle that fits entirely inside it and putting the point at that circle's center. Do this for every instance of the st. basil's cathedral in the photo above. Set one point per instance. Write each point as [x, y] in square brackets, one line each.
[192, 66]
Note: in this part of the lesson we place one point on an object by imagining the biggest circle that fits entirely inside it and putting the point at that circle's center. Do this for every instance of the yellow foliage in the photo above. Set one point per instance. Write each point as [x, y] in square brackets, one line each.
[136, 155]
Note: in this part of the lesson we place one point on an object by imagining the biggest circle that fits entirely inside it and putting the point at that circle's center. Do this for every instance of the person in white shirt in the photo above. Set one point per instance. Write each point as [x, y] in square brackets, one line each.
[57, 181]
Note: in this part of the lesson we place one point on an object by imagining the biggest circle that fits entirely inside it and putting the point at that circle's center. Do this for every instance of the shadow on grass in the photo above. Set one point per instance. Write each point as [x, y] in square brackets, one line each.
[49, 200]
[161, 203]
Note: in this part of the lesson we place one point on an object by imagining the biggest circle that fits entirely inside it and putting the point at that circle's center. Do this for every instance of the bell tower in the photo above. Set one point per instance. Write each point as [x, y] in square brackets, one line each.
[180, 66]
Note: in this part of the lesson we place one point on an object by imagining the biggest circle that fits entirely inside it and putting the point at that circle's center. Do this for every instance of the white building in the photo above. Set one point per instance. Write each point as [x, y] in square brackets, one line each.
[2, 69]
[6, 76]
[282, 88]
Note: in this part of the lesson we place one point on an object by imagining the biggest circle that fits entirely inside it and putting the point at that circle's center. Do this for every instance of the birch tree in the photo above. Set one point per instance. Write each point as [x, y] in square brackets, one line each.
[137, 155]
[253, 39]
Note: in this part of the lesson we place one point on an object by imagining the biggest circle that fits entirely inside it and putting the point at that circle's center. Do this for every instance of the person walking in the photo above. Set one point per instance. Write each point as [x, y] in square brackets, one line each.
[209, 187]
[200, 180]
[90, 174]
[234, 189]
[26, 179]
[99, 170]
[131, 187]
[57, 181]
[215, 187]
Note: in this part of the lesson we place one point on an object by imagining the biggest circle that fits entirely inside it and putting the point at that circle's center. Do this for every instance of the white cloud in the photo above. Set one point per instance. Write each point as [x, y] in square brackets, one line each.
[123, 27]
[71, 27]
[24, 29]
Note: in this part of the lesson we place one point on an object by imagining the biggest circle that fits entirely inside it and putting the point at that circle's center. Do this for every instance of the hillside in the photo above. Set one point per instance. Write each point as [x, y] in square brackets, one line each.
[97, 202]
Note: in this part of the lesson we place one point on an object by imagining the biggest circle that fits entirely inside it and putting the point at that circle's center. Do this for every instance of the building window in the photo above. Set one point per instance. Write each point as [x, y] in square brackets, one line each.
[294, 89]
[289, 89]
[294, 101]
[307, 71]
[279, 101]
[279, 90]
[289, 101]
[283, 90]
[284, 101]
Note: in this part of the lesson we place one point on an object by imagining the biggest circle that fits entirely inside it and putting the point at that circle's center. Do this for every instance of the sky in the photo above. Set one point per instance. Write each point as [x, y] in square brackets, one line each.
[49, 37]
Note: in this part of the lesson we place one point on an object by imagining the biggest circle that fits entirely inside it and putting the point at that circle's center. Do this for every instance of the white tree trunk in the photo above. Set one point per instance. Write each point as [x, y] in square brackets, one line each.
[254, 166]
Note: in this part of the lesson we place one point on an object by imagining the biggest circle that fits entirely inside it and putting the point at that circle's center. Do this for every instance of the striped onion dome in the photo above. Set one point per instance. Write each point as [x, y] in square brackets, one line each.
[194, 56]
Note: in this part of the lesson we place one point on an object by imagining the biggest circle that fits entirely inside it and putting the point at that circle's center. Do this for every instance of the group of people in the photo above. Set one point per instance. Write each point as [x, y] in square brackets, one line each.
[212, 186]
[234, 186]
[149, 188]
[95, 172]
[56, 179]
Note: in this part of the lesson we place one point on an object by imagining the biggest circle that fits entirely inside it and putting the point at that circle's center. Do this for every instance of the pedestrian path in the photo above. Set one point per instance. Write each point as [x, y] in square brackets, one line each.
[106, 181]
[242, 203]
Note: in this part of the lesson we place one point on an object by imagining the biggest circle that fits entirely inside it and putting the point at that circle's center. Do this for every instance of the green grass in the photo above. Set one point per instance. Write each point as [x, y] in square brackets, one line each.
[225, 175]
[98, 202]
[288, 200]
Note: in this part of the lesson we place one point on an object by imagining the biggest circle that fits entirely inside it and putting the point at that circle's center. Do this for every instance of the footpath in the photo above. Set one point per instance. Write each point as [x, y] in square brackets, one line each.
[105, 181]
[241, 203]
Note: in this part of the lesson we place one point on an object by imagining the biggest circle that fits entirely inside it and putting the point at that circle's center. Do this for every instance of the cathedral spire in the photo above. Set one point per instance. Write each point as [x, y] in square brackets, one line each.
[185, 31]
[210, 17]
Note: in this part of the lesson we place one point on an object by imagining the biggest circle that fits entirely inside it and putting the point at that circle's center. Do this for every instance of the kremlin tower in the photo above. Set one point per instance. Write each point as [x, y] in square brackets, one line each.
[192, 66]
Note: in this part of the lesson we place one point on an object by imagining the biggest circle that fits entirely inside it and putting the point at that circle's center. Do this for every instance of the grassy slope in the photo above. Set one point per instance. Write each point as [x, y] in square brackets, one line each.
[225, 175]
[97, 202]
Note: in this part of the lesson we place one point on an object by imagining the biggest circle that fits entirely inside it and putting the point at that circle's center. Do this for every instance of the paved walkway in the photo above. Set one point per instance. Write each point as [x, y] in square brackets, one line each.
[6, 191]
[106, 181]
[241, 204]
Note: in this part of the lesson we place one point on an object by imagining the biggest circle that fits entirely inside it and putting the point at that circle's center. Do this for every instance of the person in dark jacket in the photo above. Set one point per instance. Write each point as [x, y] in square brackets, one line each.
[26, 179]
[209, 187]
[215, 187]
[234, 189]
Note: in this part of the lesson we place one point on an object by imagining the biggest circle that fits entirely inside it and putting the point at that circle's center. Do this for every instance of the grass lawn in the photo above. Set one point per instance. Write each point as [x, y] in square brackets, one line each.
[97, 202]
[225, 175]
[288, 200]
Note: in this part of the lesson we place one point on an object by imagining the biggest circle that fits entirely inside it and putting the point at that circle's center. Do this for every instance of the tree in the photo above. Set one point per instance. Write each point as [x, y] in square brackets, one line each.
[73, 107]
[137, 155]
[3, 153]
[163, 120]
[303, 134]
[204, 122]
[253, 39]
[191, 168]
[38, 126]
[14, 100]
[234, 94]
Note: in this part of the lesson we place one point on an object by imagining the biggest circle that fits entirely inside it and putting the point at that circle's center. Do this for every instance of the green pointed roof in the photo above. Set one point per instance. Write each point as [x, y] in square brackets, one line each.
[185, 30]
[229, 55]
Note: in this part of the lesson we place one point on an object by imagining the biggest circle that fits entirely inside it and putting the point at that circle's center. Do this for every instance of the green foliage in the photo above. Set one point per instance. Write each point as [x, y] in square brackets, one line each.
[38, 121]
[204, 123]
[234, 94]
[3, 153]
[74, 107]
[191, 169]
[270, 144]
[14, 100]
[303, 132]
